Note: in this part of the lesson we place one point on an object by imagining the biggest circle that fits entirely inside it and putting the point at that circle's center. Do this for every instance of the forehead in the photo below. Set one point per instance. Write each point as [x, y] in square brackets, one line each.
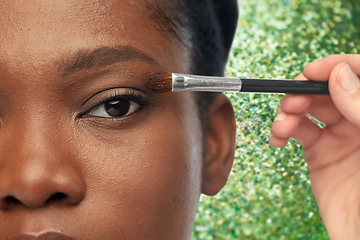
[36, 32]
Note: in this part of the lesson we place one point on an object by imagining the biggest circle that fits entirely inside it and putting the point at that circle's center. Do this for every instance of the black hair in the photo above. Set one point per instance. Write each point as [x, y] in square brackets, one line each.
[206, 28]
[211, 25]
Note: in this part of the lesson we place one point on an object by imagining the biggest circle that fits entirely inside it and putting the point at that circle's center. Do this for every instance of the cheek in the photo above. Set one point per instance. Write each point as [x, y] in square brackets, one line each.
[151, 176]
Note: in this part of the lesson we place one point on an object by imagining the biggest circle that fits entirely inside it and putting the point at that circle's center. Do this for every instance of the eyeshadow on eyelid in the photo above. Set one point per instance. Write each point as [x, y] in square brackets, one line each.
[108, 95]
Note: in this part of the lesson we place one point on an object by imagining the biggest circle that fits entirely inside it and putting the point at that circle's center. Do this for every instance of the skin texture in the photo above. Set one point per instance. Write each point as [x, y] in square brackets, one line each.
[332, 153]
[66, 169]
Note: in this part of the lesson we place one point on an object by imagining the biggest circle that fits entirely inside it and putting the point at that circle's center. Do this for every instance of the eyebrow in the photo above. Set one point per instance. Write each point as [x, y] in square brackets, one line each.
[87, 59]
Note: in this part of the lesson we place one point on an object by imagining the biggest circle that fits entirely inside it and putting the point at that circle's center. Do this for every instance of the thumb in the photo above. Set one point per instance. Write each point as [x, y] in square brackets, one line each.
[344, 87]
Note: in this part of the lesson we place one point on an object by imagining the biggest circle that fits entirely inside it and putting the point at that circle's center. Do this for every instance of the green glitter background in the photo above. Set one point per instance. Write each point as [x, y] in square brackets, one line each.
[268, 195]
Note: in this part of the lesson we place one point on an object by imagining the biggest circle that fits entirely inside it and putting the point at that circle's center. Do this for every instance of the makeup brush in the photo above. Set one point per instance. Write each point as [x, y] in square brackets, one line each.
[160, 82]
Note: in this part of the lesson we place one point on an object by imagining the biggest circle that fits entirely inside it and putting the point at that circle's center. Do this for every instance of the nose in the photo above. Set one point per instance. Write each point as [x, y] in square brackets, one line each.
[37, 169]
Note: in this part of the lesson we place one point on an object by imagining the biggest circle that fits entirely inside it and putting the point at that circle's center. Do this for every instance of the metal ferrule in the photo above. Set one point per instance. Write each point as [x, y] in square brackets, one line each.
[187, 82]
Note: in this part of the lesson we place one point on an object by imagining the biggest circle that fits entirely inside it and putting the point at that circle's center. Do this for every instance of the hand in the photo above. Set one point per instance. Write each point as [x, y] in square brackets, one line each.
[332, 153]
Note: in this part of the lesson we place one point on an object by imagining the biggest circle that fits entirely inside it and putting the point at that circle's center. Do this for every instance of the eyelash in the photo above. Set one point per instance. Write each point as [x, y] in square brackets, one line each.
[131, 95]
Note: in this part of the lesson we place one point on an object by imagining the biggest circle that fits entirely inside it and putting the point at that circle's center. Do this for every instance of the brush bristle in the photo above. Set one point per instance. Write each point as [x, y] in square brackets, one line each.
[160, 82]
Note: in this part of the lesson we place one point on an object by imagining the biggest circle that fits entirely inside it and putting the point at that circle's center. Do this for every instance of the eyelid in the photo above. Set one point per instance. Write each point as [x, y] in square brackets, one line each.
[130, 94]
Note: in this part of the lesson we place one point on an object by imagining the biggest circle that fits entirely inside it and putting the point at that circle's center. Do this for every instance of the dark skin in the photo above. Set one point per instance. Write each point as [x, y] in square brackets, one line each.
[68, 166]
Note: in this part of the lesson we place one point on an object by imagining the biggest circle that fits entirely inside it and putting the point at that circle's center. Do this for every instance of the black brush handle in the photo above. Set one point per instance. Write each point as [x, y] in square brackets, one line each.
[284, 86]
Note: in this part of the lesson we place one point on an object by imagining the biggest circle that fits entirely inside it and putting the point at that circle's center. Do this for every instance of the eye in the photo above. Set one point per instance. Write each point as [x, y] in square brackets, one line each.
[115, 103]
[114, 109]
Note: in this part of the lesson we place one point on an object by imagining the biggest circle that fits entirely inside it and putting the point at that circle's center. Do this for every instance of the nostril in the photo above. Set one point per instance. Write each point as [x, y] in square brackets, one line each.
[57, 197]
[8, 202]
[33, 187]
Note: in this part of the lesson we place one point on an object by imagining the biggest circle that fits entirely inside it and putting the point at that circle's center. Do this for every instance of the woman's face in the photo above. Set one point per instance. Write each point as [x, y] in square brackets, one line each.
[85, 148]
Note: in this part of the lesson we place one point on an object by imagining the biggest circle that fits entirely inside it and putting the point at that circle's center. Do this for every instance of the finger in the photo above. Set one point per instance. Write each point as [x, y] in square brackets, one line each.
[306, 132]
[344, 86]
[324, 110]
[320, 107]
[321, 70]
[297, 126]
[285, 124]
[278, 142]
[301, 77]
[295, 103]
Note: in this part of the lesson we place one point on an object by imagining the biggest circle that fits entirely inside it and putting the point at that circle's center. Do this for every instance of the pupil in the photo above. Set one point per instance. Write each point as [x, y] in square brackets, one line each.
[117, 108]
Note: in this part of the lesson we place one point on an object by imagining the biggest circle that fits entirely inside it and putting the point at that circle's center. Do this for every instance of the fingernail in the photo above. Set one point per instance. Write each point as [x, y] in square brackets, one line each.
[281, 116]
[349, 81]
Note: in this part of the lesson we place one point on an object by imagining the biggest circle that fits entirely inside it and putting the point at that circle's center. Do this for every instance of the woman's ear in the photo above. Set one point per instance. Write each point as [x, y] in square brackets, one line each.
[220, 145]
